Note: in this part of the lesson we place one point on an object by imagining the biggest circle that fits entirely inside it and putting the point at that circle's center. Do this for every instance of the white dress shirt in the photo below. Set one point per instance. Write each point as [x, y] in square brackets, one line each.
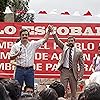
[26, 58]
[97, 67]
[66, 59]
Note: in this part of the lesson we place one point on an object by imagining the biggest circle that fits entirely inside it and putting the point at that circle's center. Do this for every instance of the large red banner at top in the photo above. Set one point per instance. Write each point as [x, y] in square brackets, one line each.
[46, 57]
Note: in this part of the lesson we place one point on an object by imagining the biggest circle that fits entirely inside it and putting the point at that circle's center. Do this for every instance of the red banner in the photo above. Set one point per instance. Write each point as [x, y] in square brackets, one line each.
[46, 57]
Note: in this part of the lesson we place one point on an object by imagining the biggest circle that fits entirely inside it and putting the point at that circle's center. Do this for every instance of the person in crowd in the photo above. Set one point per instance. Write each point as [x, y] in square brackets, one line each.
[28, 97]
[28, 90]
[81, 96]
[95, 76]
[23, 52]
[48, 94]
[68, 64]
[4, 95]
[12, 88]
[92, 91]
[96, 61]
[59, 88]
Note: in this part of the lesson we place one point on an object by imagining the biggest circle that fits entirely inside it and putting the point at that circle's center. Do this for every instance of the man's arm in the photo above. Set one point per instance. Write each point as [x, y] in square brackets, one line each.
[14, 53]
[81, 64]
[12, 57]
[40, 42]
[59, 42]
[49, 29]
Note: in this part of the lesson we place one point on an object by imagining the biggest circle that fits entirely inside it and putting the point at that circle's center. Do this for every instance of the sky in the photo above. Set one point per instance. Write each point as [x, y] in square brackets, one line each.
[66, 5]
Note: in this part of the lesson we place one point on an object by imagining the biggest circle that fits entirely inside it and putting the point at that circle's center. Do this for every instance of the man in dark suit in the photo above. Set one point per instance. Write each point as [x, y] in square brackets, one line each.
[68, 64]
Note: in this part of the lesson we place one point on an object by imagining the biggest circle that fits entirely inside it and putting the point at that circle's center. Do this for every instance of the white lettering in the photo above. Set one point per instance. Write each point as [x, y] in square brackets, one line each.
[98, 30]
[10, 30]
[2, 32]
[38, 66]
[55, 56]
[4, 55]
[5, 45]
[45, 46]
[84, 46]
[86, 57]
[6, 66]
[55, 46]
[41, 56]
[39, 30]
[62, 30]
[75, 31]
[88, 31]
[51, 67]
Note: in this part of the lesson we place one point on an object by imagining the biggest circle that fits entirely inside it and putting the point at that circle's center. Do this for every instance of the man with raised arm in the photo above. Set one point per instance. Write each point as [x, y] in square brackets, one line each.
[23, 52]
[68, 64]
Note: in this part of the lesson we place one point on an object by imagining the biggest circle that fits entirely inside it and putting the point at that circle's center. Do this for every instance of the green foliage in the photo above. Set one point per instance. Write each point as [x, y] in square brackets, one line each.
[14, 5]
[3, 4]
[18, 5]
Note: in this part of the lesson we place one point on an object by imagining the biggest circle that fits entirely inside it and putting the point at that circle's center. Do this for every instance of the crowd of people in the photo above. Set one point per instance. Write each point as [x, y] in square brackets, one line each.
[72, 58]
[10, 89]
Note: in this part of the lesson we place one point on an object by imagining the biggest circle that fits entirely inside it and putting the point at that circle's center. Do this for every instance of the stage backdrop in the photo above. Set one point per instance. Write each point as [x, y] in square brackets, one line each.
[46, 57]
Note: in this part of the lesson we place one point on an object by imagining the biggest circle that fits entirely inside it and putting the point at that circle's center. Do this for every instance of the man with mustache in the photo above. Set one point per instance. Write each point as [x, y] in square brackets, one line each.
[68, 64]
[23, 52]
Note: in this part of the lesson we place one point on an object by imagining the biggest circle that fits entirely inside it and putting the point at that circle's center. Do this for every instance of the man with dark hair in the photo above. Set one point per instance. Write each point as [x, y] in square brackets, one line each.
[58, 87]
[68, 64]
[48, 94]
[92, 92]
[23, 52]
[4, 95]
[28, 90]
[13, 88]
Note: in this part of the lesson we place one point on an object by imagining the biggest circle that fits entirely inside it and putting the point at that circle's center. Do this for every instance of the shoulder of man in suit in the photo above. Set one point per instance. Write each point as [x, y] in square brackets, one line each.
[78, 49]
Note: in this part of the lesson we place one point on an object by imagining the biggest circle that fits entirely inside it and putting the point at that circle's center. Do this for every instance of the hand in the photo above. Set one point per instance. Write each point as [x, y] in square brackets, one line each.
[18, 53]
[50, 28]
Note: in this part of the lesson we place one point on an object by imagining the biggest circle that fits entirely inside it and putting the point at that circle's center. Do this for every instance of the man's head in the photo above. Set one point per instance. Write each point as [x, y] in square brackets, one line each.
[28, 89]
[92, 92]
[48, 94]
[58, 87]
[13, 87]
[24, 34]
[71, 41]
[4, 94]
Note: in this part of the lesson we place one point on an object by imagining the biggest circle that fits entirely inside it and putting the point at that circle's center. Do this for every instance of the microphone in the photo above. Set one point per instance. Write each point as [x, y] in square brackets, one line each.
[20, 46]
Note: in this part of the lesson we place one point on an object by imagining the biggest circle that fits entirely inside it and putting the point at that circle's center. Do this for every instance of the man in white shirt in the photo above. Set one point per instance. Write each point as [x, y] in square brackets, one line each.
[23, 52]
